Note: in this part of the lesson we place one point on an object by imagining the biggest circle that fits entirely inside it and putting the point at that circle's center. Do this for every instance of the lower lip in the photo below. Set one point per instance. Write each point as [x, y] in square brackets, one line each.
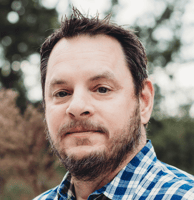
[81, 134]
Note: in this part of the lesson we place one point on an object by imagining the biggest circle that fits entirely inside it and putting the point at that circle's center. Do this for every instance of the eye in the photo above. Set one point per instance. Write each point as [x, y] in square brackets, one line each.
[61, 94]
[103, 90]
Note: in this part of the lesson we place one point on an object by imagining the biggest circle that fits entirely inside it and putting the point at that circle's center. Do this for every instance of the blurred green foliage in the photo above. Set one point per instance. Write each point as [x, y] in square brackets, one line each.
[21, 39]
[172, 137]
[17, 189]
[173, 141]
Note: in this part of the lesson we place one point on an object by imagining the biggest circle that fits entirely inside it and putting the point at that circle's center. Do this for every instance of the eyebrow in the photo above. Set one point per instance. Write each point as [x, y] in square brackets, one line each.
[107, 76]
[57, 82]
[104, 75]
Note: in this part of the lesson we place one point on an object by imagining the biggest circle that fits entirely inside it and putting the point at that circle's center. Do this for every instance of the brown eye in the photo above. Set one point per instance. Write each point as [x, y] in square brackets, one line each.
[102, 90]
[62, 94]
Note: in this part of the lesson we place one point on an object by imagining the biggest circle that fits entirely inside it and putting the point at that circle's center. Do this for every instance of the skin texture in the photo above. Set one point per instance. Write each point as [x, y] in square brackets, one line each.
[88, 81]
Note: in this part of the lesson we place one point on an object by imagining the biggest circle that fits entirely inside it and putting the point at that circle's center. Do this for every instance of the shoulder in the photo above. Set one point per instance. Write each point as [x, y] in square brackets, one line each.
[145, 177]
[50, 194]
[168, 172]
[164, 181]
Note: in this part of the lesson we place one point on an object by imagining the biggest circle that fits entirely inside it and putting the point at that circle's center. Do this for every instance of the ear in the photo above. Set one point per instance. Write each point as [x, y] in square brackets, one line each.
[146, 101]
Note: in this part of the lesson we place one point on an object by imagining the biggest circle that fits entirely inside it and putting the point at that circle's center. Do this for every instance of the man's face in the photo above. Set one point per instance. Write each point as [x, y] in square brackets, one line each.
[89, 96]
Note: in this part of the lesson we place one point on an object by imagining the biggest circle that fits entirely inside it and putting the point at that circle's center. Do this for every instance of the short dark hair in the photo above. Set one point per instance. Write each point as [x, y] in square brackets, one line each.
[78, 24]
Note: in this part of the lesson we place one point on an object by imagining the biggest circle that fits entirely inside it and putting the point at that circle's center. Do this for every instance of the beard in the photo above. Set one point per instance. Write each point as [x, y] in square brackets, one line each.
[95, 164]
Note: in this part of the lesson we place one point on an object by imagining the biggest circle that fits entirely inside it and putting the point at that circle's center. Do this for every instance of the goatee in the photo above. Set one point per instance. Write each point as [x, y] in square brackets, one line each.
[91, 166]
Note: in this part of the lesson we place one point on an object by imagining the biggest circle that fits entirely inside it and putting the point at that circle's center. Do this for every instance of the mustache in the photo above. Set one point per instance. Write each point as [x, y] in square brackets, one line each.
[81, 126]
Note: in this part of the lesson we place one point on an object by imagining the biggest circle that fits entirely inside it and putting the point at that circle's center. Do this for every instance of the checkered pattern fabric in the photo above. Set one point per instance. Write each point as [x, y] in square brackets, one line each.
[145, 177]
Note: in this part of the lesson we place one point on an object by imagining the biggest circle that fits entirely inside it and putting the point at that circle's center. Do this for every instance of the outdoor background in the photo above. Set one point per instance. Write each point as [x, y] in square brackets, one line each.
[165, 27]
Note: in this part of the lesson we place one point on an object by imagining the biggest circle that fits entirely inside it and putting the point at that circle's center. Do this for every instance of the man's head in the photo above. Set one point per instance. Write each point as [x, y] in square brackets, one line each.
[97, 98]
[78, 25]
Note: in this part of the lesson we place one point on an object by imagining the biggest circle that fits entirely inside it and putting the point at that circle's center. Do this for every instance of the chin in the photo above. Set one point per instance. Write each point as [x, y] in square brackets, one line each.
[82, 151]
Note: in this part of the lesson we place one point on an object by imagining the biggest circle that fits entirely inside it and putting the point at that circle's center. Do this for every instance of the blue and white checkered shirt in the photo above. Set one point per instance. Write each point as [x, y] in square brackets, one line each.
[145, 177]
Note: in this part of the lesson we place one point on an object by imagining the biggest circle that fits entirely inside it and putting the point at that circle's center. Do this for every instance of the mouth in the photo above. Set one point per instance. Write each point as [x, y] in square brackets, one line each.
[81, 128]
[72, 131]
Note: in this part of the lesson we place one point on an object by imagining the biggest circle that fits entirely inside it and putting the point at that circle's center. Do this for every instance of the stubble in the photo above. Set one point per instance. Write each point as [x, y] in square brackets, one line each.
[91, 166]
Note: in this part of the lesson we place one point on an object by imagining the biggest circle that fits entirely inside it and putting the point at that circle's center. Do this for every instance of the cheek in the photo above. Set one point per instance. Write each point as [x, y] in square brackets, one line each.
[117, 112]
[54, 117]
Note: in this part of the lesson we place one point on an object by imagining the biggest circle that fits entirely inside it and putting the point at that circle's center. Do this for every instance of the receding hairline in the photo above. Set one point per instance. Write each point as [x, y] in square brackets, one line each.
[77, 38]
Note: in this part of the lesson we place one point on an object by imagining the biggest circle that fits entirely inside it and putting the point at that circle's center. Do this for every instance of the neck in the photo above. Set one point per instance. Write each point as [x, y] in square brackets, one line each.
[84, 188]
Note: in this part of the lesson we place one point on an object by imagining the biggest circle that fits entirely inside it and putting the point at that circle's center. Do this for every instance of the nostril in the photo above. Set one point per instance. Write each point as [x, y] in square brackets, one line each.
[86, 113]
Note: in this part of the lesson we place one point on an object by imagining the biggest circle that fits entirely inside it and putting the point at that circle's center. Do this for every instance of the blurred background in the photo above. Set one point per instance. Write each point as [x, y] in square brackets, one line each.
[165, 27]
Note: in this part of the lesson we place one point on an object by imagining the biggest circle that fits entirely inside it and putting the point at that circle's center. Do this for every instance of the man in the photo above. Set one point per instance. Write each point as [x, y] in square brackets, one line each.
[98, 100]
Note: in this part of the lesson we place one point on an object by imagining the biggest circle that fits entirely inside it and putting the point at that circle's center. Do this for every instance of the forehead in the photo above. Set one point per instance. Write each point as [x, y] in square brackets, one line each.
[88, 55]
[81, 46]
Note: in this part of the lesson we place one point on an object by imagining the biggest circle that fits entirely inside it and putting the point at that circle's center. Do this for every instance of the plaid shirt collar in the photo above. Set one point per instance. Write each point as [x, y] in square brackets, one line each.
[124, 184]
[144, 177]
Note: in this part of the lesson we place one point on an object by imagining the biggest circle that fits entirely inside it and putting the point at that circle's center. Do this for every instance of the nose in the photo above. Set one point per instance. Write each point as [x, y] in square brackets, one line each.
[80, 105]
